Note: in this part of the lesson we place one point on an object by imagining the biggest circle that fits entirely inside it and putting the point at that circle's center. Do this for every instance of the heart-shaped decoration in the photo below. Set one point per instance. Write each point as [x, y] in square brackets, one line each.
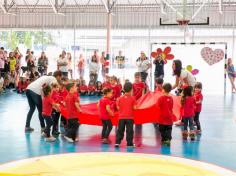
[212, 57]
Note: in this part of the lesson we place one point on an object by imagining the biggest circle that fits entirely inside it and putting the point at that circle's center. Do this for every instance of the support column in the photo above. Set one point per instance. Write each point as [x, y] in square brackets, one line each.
[109, 23]
[74, 60]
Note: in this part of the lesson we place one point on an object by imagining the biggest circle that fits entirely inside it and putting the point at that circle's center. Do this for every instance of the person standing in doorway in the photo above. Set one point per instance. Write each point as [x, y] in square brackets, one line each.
[143, 66]
[120, 60]
[103, 63]
[70, 70]
[62, 64]
[42, 64]
[159, 67]
[94, 68]
[81, 65]
[231, 74]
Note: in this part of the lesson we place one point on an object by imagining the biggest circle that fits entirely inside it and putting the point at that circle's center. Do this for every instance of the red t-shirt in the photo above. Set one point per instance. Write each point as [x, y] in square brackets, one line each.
[99, 88]
[83, 88]
[103, 102]
[189, 107]
[119, 88]
[106, 85]
[70, 101]
[126, 105]
[22, 86]
[91, 88]
[115, 91]
[198, 97]
[165, 103]
[158, 90]
[56, 96]
[47, 106]
[62, 94]
[138, 88]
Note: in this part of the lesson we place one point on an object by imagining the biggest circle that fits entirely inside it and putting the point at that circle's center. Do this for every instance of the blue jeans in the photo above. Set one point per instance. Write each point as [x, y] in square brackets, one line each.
[49, 123]
[34, 101]
[188, 122]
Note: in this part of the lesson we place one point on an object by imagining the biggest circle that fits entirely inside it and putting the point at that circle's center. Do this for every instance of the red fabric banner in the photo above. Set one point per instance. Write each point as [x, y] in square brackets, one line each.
[147, 111]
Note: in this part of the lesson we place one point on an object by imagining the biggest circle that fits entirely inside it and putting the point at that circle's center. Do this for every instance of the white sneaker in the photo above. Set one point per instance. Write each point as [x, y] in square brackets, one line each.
[50, 139]
[69, 139]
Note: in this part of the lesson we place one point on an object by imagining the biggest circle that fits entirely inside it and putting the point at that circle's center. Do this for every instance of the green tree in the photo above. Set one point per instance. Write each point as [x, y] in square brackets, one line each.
[12, 40]
[28, 40]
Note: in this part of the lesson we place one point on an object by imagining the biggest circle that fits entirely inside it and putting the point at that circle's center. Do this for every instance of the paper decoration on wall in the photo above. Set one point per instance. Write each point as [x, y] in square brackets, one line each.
[211, 56]
[193, 71]
[165, 54]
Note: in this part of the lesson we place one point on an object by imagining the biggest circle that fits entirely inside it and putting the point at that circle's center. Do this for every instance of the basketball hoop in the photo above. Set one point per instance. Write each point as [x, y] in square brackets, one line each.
[183, 23]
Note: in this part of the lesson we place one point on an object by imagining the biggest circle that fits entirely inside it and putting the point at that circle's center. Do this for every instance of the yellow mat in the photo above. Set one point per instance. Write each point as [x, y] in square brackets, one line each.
[111, 164]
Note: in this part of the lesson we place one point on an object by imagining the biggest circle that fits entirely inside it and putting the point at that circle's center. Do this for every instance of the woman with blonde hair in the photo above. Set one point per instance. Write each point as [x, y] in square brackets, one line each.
[143, 65]
[231, 74]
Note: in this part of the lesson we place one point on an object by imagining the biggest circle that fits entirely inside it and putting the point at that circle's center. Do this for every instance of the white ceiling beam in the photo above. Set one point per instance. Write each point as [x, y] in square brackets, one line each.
[172, 8]
[162, 8]
[55, 8]
[198, 10]
[4, 8]
[105, 3]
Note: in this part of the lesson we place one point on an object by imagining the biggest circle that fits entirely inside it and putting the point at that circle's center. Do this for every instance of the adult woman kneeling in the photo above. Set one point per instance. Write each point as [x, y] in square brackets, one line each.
[182, 77]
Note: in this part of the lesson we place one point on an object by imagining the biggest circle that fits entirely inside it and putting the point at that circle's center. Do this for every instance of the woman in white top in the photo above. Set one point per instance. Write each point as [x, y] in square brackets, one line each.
[81, 65]
[70, 70]
[143, 65]
[62, 64]
[183, 77]
[34, 97]
[93, 69]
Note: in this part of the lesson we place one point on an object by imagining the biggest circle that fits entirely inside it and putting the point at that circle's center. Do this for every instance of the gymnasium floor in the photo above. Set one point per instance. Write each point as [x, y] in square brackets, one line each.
[217, 144]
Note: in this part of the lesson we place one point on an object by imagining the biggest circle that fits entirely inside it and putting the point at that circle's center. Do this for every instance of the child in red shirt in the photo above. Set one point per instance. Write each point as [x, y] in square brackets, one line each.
[72, 103]
[119, 88]
[22, 85]
[126, 106]
[104, 107]
[62, 95]
[188, 107]
[198, 105]
[138, 86]
[91, 88]
[158, 85]
[98, 88]
[106, 83]
[55, 113]
[115, 88]
[83, 88]
[165, 103]
[48, 105]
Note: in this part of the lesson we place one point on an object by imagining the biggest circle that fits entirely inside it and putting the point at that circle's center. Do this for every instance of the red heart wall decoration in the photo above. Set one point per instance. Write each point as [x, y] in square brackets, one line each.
[211, 56]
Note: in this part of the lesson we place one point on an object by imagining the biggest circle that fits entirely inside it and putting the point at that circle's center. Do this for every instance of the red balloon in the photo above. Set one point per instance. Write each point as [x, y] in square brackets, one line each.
[167, 50]
[170, 56]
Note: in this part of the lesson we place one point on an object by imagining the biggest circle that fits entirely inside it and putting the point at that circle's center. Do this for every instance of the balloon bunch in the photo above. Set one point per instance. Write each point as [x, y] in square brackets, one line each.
[193, 71]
